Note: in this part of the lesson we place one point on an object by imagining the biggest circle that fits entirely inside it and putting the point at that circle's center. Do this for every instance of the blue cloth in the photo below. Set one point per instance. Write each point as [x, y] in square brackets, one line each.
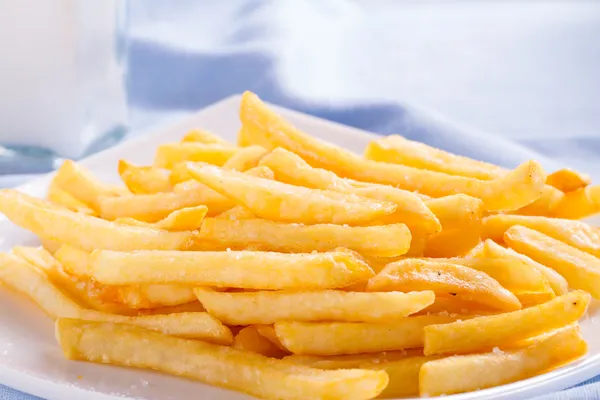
[186, 57]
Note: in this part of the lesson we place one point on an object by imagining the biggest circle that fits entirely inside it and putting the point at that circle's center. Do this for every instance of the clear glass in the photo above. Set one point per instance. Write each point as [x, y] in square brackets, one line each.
[62, 81]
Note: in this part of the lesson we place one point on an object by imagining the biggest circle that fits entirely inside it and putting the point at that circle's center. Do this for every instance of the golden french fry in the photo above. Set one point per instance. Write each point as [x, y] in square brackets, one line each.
[334, 338]
[217, 365]
[550, 198]
[237, 213]
[580, 269]
[479, 371]
[246, 158]
[250, 340]
[327, 305]
[185, 219]
[514, 190]
[402, 368]
[493, 251]
[83, 231]
[98, 295]
[157, 206]
[575, 233]
[242, 269]
[568, 180]
[83, 185]
[460, 216]
[398, 150]
[290, 168]
[74, 260]
[282, 202]
[238, 234]
[144, 180]
[444, 278]
[63, 198]
[579, 204]
[19, 275]
[170, 154]
[202, 136]
[496, 330]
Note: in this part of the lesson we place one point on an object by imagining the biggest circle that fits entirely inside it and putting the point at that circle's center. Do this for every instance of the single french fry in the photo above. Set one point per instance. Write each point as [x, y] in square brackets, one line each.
[241, 269]
[574, 233]
[512, 191]
[25, 279]
[444, 278]
[246, 158]
[398, 150]
[290, 168]
[170, 154]
[237, 213]
[580, 269]
[479, 371]
[568, 180]
[250, 340]
[460, 216]
[185, 219]
[282, 202]
[483, 333]
[579, 204]
[402, 368]
[63, 198]
[202, 136]
[83, 231]
[83, 185]
[144, 180]
[334, 338]
[327, 305]
[238, 234]
[493, 251]
[217, 365]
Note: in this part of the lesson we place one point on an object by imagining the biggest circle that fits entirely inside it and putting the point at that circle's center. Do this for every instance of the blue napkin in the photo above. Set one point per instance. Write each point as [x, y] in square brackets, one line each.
[177, 65]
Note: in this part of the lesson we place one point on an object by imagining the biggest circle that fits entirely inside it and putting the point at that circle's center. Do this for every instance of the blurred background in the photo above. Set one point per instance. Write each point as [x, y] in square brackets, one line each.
[498, 80]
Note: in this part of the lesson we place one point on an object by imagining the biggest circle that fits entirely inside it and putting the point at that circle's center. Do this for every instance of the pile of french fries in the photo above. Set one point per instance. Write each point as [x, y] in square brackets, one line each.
[289, 268]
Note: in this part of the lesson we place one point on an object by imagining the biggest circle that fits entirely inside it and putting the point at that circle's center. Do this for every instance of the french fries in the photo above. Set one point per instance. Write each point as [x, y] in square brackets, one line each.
[290, 168]
[460, 217]
[240, 269]
[217, 365]
[574, 233]
[329, 305]
[250, 339]
[402, 368]
[60, 197]
[483, 333]
[568, 180]
[479, 371]
[144, 180]
[83, 231]
[335, 338]
[202, 136]
[286, 267]
[170, 154]
[282, 202]
[580, 269]
[239, 234]
[398, 150]
[23, 278]
[579, 204]
[81, 184]
[444, 278]
[514, 190]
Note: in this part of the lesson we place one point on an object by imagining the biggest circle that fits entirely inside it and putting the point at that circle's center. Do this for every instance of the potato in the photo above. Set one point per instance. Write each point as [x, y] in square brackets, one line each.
[144, 180]
[217, 365]
[483, 333]
[83, 231]
[568, 180]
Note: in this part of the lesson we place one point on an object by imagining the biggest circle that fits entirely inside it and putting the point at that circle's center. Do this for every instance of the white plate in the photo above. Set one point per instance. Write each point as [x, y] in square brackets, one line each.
[31, 361]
